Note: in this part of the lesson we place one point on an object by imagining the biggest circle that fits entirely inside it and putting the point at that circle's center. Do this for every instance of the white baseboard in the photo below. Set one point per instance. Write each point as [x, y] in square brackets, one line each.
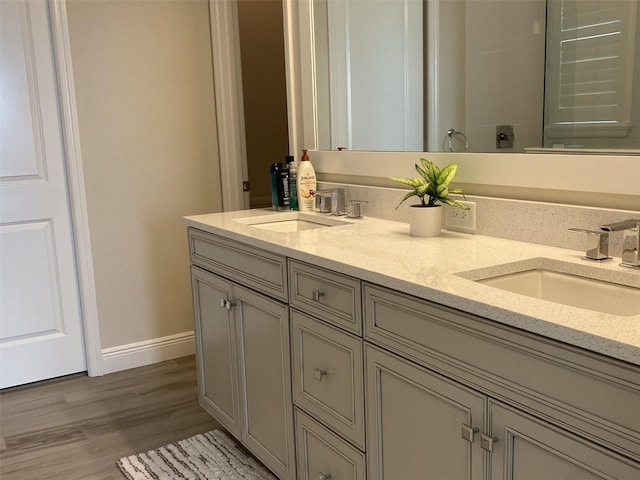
[139, 354]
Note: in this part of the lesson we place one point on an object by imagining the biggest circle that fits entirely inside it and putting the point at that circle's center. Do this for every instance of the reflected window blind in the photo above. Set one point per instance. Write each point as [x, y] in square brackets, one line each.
[590, 59]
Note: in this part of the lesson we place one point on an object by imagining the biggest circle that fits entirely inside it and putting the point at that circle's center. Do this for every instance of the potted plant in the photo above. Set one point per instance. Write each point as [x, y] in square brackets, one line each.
[430, 186]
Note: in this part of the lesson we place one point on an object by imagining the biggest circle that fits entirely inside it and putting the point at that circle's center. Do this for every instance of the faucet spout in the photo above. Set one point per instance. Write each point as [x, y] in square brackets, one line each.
[624, 225]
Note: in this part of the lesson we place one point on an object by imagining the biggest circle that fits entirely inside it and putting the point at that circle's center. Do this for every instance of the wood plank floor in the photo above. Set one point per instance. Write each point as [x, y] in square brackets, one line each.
[77, 427]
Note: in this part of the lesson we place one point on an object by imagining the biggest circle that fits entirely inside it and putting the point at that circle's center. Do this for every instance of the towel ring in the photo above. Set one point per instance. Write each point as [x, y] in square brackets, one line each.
[451, 134]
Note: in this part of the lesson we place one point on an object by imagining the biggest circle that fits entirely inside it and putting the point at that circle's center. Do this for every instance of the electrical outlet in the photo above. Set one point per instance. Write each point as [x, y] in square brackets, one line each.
[461, 220]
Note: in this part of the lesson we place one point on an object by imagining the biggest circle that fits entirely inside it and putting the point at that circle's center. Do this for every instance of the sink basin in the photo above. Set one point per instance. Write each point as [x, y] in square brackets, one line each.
[288, 222]
[554, 285]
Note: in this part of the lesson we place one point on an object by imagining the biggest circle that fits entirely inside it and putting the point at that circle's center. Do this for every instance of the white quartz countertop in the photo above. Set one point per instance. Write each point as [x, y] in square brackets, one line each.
[383, 252]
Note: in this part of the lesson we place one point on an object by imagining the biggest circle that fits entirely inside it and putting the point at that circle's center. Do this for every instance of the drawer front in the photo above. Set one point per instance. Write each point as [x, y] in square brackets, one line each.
[323, 455]
[327, 295]
[586, 392]
[327, 375]
[257, 269]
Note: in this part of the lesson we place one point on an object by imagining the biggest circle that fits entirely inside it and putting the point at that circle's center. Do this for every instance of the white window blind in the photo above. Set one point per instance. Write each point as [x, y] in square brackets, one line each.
[590, 58]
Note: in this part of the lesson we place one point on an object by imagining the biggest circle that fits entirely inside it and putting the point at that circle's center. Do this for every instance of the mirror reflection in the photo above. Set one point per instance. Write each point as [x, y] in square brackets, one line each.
[477, 75]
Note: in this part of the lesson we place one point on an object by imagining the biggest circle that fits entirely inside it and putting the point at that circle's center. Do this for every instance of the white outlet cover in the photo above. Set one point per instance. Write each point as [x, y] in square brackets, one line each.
[461, 220]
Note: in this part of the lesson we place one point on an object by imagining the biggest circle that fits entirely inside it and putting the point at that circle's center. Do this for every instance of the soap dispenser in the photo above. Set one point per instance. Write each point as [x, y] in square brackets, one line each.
[306, 184]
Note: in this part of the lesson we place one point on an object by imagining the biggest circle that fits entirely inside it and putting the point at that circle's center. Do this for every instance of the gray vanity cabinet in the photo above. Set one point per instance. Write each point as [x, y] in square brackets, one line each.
[385, 385]
[243, 346]
[542, 410]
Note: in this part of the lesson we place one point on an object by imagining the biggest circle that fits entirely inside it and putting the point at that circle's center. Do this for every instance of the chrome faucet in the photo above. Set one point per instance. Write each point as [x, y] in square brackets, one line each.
[630, 240]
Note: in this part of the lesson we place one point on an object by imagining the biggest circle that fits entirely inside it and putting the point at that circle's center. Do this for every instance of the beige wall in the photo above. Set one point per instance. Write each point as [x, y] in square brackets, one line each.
[148, 135]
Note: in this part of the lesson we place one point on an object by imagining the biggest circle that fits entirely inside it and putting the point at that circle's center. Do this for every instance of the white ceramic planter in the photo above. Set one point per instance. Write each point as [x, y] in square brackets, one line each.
[425, 221]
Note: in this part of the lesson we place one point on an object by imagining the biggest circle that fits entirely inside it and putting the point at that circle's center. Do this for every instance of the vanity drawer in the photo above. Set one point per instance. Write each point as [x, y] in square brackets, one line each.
[593, 395]
[324, 455]
[327, 375]
[327, 295]
[258, 269]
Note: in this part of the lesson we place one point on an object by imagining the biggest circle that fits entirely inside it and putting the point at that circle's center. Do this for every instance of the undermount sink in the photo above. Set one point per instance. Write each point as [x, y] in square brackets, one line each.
[568, 289]
[288, 222]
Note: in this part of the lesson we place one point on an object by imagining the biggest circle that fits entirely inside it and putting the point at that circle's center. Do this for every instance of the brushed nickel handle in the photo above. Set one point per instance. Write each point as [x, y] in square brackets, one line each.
[324, 476]
[486, 442]
[316, 295]
[468, 433]
[318, 373]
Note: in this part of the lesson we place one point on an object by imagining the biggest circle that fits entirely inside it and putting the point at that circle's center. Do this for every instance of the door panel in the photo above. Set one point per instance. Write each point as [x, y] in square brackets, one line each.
[415, 419]
[216, 349]
[40, 320]
[526, 448]
[263, 342]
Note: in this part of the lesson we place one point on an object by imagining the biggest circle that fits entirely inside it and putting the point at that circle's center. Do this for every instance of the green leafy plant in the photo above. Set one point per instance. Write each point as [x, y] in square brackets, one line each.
[432, 183]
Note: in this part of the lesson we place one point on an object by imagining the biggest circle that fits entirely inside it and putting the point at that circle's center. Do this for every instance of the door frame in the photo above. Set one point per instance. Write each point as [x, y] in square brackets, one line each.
[225, 47]
[75, 186]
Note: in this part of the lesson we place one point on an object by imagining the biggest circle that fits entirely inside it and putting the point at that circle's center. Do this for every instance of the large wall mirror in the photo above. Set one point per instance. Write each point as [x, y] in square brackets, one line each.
[476, 75]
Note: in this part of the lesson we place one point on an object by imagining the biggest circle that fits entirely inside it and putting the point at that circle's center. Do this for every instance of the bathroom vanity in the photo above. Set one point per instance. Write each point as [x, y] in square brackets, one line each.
[349, 350]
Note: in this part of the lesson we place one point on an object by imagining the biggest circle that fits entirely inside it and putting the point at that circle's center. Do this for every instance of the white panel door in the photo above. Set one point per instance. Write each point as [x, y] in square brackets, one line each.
[376, 100]
[40, 322]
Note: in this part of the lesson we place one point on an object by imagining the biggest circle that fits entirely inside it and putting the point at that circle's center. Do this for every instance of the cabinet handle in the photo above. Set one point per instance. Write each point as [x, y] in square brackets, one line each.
[318, 374]
[468, 433]
[224, 303]
[324, 476]
[486, 442]
[316, 294]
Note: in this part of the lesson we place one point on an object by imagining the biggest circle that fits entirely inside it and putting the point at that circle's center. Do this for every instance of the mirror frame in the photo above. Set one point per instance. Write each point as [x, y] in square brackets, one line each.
[603, 174]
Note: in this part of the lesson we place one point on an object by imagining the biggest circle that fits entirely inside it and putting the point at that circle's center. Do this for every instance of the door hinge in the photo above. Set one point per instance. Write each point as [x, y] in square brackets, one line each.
[246, 186]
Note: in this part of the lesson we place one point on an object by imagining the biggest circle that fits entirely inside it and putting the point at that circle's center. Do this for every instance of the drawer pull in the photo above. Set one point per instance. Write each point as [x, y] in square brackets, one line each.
[319, 373]
[324, 476]
[316, 294]
[468, 433]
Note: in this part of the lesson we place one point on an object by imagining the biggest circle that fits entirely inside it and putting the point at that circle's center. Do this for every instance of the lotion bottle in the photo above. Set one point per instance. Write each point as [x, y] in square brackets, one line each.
[306, 180]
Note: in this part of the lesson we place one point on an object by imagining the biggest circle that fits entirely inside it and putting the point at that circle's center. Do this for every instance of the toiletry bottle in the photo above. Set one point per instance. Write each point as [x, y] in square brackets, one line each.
[293, 183]
[283, 186]
[275, 170]
[306, 184]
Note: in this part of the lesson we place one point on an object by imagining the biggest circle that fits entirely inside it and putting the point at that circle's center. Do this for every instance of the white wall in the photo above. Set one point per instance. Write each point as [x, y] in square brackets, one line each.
[148, 135]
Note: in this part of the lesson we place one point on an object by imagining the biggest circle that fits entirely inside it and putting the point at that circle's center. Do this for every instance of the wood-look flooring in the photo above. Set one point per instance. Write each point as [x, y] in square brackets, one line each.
[78, 427]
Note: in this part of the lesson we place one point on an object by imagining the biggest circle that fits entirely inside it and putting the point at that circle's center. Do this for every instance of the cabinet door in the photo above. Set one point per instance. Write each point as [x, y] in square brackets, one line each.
[265, 379]
[216, 349]
[526, 448]
[417, 422]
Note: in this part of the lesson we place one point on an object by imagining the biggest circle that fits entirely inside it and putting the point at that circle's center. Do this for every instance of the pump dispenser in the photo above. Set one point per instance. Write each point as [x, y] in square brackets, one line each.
[306, 180]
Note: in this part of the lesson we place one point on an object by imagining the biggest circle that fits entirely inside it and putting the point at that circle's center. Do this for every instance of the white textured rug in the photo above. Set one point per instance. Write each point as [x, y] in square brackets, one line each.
[208, 456]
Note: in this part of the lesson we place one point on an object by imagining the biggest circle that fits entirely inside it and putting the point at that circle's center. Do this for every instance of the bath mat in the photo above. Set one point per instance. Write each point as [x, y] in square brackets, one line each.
[208, 456]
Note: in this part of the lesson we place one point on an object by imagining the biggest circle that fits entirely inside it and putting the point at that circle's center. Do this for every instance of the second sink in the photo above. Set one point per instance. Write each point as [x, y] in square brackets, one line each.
[549, 283]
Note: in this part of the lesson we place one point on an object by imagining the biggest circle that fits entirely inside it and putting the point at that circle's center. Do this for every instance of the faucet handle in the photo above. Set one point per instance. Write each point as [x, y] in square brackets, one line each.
[597, 244]
[356, 207]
